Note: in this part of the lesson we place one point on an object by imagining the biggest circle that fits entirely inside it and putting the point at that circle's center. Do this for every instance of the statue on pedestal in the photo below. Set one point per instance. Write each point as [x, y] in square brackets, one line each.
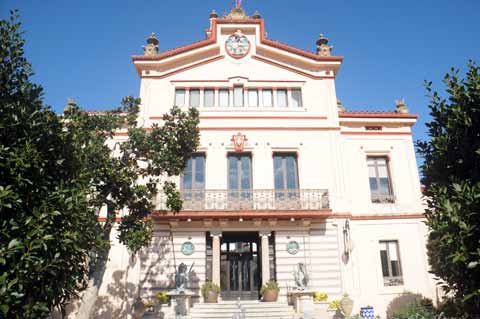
[301, 276]
[182, 276]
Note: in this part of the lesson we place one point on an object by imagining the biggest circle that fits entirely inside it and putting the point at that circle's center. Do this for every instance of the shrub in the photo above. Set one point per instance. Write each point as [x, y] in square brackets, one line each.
[334, 304]
[409, 304]
[320, 296]
[268, 286]
[209, 286]
[162, 297]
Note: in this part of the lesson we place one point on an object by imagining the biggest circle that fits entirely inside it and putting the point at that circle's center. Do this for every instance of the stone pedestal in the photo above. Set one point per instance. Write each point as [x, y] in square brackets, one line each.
[181, 303]
[303, 303]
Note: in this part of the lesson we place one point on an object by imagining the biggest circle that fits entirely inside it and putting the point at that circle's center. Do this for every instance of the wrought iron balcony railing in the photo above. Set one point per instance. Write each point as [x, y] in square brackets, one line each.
[383, 199]
[251, 199]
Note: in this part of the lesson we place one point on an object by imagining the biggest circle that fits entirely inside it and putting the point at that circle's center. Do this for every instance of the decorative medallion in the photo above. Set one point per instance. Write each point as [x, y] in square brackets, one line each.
[188, 248]
[239, 141]
[293, 247]
[237, 45]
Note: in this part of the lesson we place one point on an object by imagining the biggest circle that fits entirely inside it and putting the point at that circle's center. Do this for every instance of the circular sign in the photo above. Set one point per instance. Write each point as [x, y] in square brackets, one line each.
[237, 45]
[188, 248]
[293, 247]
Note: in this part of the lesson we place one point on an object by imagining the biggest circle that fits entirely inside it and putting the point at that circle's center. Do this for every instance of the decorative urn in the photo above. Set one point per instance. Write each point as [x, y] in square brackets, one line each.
[346, 304]
[138, 308]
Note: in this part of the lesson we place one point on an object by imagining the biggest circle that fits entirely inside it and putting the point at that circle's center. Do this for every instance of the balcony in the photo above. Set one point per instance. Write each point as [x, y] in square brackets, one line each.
[252, 199]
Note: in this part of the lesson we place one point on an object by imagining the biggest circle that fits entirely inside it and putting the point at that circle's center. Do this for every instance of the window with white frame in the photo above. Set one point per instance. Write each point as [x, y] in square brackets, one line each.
[179, 97]
[297, 98]
[238, 96]
[208, 98]
[223, 98]
[379, 179]
[282, 98]
[390, 260]
[194, 98]
[252, 97]
[267, 98]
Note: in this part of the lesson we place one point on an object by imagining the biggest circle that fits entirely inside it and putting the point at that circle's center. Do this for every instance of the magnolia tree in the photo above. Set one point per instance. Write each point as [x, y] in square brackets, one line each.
[451, 175]
[57, 173]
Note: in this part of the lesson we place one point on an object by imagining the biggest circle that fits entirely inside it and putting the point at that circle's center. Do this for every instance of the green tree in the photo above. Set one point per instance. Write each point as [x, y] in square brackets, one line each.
[47, 228]
[57, 173]
[451, 175]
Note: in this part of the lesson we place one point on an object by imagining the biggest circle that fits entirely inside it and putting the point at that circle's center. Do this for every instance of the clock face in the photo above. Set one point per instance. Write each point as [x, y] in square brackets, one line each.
[237, 45]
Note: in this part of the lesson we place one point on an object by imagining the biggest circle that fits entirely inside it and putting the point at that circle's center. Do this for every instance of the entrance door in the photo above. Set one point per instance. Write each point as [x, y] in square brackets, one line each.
[239, 266]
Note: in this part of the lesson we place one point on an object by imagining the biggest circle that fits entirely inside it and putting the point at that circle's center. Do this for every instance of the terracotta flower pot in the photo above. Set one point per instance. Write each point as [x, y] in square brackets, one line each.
[212, 297]
[270, 296]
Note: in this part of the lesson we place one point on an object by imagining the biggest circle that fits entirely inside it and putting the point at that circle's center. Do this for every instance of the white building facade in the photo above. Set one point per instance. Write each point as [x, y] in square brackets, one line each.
[283, 175]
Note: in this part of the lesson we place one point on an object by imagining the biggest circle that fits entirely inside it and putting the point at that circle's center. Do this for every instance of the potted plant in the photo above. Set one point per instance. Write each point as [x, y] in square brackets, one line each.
[367, 312]
[138, 308]
[270, 291]
[333, 308]
[162, 298]
[210, 292]
[320, 299]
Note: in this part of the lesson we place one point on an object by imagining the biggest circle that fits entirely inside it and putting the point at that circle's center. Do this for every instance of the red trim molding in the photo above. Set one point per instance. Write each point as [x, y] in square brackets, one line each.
[218, 57]
[256, 57]
[213, 39]
[375, 133]
[376, 115]
[281, 214]
[269, 128]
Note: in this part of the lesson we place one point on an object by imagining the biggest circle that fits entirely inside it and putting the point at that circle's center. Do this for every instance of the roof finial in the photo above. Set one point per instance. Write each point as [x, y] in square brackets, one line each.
[152, 45]
[401, 107]
[239, 3]
[323, 48]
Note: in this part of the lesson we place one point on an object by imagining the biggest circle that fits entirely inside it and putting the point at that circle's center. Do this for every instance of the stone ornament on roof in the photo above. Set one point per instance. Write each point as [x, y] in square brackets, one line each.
[236, 13]
[340, 106]
[401, 107]
[152, 45]
[323, 49]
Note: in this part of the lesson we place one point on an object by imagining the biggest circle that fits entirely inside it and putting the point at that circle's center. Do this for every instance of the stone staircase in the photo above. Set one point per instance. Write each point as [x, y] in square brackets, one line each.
[243, 309]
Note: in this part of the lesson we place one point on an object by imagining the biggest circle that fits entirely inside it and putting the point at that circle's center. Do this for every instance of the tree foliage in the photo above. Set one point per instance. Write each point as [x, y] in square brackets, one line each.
[451, 175]
[57, 173]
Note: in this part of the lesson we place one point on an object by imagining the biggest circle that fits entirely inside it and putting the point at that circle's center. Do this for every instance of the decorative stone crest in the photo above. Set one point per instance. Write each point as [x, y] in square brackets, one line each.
[236, 13]
[239, 141]
[323, 49]
[152, 45]
[401, 107]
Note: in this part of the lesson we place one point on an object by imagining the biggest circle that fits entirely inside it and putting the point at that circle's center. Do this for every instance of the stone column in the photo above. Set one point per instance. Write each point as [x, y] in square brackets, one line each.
[216, 257]
[265, 256]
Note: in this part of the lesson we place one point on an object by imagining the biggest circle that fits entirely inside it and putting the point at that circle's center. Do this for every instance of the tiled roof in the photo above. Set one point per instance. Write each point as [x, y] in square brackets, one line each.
[376, 114]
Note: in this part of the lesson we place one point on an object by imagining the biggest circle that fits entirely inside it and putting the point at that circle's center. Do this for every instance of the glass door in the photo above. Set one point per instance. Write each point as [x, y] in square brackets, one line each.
[239, 181]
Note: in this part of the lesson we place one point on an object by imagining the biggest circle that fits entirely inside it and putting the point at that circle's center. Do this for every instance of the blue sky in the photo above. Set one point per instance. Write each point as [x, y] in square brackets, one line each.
[82, 49]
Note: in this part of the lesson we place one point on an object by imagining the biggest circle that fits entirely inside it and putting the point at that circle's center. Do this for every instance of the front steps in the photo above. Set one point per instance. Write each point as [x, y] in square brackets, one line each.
[251, 309]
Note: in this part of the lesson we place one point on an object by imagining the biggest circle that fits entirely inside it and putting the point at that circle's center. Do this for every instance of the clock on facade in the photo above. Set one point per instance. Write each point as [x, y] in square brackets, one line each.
[237, 45]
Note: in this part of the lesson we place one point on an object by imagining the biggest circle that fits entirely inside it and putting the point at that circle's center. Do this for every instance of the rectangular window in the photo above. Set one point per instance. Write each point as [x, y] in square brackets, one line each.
[267, 98]
[193, 182]
[238, 96]
[252, 97]
[179, 97]
[379, 179]
[390, 260]
[194, 173]
[282, 98]
[194, 98]
[297, 98]
[208, 97]
[286, 180]
[239, 180]
[223, 97]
